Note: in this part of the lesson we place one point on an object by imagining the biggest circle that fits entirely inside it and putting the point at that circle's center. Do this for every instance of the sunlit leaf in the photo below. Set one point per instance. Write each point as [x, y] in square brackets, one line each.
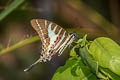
[73, 52]
[107, 53]
[89, 61]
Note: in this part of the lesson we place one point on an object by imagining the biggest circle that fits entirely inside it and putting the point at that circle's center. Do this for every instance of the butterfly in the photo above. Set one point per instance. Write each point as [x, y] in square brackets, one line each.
[53, 37]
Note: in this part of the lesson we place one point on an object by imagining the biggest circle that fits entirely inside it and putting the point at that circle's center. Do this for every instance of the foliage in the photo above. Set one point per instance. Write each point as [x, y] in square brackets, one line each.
[107, 53]
[98, 59]
[74, 69]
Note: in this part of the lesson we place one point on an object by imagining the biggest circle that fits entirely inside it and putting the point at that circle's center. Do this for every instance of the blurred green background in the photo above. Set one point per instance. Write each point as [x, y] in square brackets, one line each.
[93, 17]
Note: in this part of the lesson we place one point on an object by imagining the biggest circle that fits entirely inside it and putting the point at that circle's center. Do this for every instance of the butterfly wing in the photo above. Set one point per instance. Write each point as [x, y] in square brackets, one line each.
[51, 34]
[41, 27]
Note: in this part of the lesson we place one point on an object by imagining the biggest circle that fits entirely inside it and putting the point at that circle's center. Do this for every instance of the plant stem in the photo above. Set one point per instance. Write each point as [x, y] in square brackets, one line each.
[20, 44]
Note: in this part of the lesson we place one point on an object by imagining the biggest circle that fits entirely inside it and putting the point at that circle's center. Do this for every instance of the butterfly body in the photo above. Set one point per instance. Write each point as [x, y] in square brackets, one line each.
[54, 39]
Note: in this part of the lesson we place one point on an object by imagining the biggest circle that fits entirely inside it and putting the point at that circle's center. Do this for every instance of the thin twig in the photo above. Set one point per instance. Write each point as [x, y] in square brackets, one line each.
[20, 44]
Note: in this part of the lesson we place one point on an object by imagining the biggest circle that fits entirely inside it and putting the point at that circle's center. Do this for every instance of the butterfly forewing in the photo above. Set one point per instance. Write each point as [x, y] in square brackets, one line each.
[41, 27]
[51, 34]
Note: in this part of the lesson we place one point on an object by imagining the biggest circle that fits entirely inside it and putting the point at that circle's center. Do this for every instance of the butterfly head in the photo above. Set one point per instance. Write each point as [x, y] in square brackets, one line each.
[73, 34]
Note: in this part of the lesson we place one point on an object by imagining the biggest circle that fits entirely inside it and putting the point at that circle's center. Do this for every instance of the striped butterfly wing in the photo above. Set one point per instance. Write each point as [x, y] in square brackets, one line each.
[41, 28]
[54, 39]
[51, 35]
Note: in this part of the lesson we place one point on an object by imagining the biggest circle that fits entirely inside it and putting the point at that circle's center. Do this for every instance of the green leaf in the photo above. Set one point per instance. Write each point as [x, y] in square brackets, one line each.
[74, 69]
[89, 61]
[80, 42]
[84, 41]
[86, 56]
[107, 53]
[73, 52]
[110, 74]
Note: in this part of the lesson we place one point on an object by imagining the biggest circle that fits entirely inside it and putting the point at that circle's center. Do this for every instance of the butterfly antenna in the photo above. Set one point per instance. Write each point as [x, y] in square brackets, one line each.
[32, 65]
